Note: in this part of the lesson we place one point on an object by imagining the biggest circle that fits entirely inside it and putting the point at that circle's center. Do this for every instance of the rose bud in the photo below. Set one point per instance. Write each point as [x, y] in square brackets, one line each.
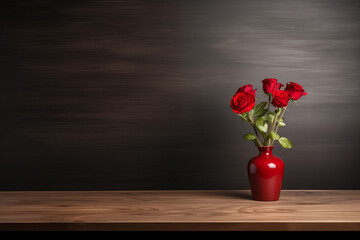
[270, 85]
[295, 90]
[248, 89]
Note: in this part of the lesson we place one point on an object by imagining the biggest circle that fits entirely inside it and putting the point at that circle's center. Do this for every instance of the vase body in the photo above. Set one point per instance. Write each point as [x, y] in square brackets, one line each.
[265, 173]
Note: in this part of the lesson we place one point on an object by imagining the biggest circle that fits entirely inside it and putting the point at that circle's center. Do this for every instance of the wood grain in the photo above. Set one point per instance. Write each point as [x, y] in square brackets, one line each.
[178, 210]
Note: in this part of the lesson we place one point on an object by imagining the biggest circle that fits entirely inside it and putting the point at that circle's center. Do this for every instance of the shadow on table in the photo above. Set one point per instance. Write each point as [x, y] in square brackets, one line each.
[239, 194]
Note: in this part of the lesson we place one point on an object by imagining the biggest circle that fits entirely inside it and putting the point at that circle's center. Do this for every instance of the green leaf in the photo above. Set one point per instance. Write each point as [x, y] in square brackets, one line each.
[251, 115]
[274, 136]
[256, 143]
[249, 136]
[271, 117]
[244, 117]
[285, 143]
[264, 111]
[282, 124]
[259, 109]
[262, 124]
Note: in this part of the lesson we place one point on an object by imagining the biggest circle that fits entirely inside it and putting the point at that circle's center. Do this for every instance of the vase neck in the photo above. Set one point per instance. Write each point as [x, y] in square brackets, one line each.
[265, 150]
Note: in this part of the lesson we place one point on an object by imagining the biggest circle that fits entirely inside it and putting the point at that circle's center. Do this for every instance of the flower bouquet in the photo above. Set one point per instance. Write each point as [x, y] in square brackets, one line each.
[266, 170]
[265, 122]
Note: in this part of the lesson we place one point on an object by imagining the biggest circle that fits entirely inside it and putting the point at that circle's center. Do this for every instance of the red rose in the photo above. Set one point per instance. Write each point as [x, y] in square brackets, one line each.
[248, 89]
[242, 102]
[295, 90]
[280, 98]
[270, 85]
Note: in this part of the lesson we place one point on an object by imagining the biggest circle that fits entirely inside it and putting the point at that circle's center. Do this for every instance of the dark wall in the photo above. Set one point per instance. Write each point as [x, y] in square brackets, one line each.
[100, 95]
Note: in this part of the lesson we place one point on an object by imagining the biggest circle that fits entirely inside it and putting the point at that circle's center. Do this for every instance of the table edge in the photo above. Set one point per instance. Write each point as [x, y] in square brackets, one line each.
[184, 226]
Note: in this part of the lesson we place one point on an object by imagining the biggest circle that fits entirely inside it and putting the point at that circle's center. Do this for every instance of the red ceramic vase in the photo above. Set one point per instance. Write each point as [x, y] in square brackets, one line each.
[265, 173]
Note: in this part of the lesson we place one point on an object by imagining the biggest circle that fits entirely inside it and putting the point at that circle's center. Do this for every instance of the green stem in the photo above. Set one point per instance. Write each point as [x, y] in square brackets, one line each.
[275, 119]
[268, 139]
[269, 103]
[277, 125]
[282, 115]
[257, 135]
[264, 137]
[252, 122]
[267, 135]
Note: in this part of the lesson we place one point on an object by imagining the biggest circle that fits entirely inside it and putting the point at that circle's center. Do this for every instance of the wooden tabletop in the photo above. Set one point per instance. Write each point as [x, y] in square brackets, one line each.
[178, 210]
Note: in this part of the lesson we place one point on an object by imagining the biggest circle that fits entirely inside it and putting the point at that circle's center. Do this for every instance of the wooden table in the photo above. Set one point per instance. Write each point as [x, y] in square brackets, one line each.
[178, 210]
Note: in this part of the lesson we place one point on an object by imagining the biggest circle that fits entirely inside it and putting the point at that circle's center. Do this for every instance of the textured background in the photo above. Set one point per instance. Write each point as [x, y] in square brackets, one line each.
[100, 95]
